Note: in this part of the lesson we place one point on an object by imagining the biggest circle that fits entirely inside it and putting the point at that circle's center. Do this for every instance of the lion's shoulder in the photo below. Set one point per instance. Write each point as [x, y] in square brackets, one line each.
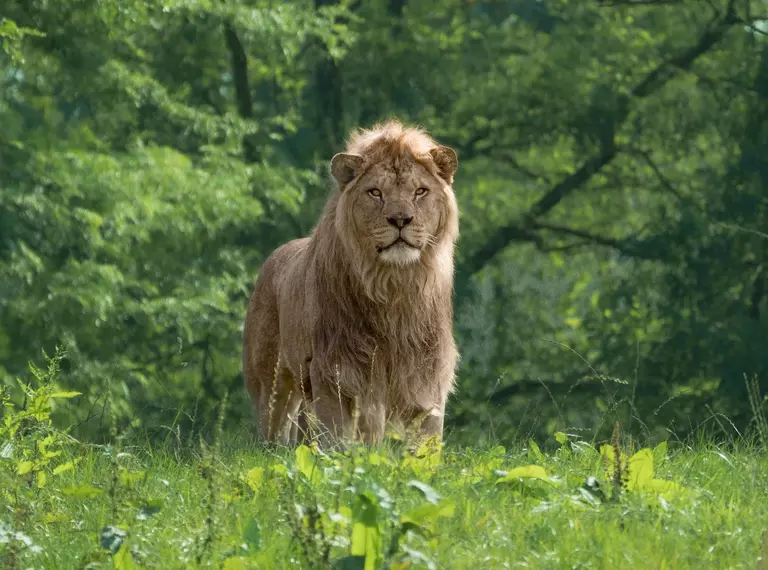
[278, 269]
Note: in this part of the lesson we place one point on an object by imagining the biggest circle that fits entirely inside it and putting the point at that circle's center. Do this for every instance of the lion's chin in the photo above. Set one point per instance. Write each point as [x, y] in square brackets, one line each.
[400, 254]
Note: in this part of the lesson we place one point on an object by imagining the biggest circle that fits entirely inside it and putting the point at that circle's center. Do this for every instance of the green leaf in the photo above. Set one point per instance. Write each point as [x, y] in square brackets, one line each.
[278, 469]
[561, 437]
[149, 508]
[50, 518]
[130, 478]
[123, 559]
[535, 451]
[84, 491]
[526, 472]
[366, 542]
[664, 488]
[366, 534]
[65, 394]
[42, 478]
[254, 478]
[306, 462]
[640, 469]
[24, 467]
[252, 535]
[429, 493]
[425, 516]
[64, 467]
[426, 457]
[659, 453]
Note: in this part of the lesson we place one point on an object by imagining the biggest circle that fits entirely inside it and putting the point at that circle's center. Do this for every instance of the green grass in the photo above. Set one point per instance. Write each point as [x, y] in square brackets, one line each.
[236, 504]
[238, 508]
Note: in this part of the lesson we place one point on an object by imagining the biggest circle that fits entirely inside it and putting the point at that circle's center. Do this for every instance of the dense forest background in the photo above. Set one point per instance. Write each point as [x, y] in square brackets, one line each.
[613, 184]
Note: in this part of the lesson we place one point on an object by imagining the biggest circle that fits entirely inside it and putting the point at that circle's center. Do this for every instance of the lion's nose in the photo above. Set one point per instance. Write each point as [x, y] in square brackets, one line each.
[400, 220]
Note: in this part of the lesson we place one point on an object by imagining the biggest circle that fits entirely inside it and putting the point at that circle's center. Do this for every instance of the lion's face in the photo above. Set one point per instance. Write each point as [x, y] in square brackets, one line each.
[397, 209]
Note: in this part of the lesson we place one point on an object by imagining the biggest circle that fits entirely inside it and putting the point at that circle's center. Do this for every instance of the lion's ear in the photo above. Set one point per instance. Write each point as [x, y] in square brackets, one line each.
[345, 167]
[446, 160]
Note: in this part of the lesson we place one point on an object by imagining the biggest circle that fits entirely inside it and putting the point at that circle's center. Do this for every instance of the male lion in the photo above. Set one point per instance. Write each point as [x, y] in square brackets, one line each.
[355, 321]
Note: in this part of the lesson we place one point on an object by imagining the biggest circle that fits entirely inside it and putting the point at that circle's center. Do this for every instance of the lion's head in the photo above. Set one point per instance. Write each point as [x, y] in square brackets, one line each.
[396, 213]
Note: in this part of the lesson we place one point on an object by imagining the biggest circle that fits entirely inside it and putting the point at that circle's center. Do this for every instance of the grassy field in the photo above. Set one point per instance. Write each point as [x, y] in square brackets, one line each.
[235, 504]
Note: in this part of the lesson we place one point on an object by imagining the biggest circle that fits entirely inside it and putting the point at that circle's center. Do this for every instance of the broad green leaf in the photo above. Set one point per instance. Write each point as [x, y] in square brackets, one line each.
[366, 534]
[664, 488]
[425, 516]
[526, 472]
[123, 559]
[254, 478]
[429, 493]
[24, 467]
[640, 469]
[64, 467]
[307, 463]
[366, 542]
[84, 491]
[42, 478]
[561, 437]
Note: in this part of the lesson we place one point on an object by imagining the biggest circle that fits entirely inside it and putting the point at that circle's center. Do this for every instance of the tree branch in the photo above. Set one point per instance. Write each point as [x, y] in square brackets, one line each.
[619, 245]
[239, 61]
[614, 3]
[626, 246]
[520, 230]
[328, 93]
[666, 184]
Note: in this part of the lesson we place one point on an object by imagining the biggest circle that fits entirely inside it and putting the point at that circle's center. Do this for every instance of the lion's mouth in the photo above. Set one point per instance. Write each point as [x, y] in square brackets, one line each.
[398, 242]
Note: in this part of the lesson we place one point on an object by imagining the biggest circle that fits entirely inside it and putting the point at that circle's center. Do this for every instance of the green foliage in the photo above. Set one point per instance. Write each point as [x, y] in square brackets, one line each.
[611, 184]
[32, 449]
[129, 504]
[11, 37]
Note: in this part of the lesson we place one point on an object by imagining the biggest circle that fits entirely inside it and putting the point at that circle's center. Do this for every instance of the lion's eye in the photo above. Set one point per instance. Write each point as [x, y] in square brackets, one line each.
[421, 191]
[375, 192]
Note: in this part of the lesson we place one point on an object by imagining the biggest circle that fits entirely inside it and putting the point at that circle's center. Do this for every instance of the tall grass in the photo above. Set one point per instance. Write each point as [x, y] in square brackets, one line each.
[232, 503]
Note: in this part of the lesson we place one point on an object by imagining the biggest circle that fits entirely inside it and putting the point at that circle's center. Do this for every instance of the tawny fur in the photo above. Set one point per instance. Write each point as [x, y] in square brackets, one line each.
[349, 319]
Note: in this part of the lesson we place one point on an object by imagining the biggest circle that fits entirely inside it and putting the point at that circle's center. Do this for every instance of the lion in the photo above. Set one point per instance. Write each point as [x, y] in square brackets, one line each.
[352, 327]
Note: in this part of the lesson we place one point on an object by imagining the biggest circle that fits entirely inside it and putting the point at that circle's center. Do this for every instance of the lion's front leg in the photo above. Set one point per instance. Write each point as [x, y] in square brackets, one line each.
[338, 416]
[372, 422]
[426, 420]
[432, 425]
[330, 409]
